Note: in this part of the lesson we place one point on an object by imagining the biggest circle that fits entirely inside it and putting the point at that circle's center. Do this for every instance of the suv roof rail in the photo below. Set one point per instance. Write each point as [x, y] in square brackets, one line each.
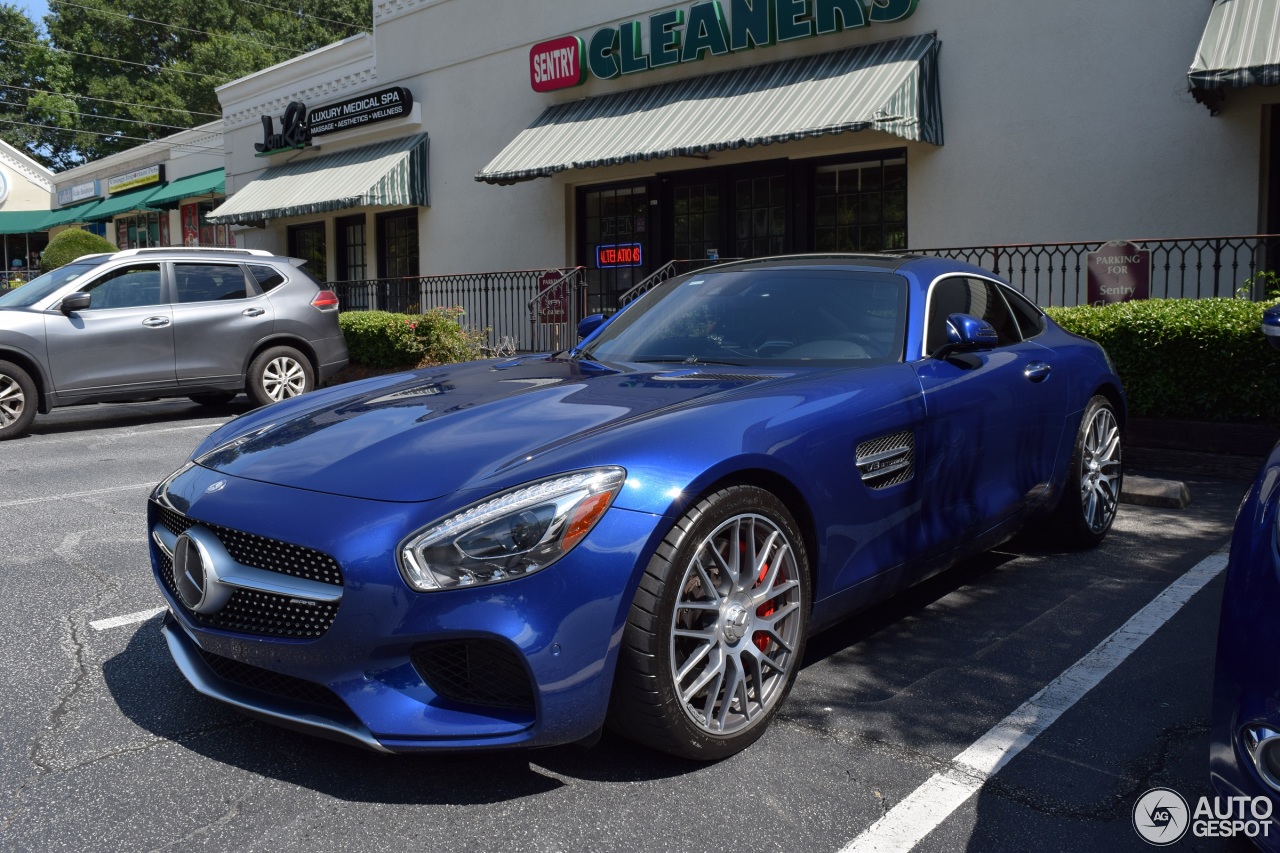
[262, 253]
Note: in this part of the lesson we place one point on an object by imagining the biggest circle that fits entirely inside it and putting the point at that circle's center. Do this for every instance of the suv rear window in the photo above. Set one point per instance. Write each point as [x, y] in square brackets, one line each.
[269, 278]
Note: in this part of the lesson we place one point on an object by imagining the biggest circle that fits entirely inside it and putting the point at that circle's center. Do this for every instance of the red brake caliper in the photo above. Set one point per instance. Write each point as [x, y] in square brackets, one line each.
[764, 611]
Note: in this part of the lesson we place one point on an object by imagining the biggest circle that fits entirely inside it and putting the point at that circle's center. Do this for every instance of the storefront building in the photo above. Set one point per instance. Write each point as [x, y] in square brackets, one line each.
[621, 136]
[158, 194]
[25, 193]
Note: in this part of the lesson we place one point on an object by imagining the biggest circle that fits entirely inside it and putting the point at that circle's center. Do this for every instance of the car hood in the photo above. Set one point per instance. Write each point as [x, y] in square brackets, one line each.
[442, 429]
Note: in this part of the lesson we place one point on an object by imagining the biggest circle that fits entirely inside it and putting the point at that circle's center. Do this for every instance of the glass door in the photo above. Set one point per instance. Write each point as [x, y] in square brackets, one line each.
[615, 228]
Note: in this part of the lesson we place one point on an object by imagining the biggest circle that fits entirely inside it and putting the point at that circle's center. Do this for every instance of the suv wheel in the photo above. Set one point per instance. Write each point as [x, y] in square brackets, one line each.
[17, 401]
[278, 374]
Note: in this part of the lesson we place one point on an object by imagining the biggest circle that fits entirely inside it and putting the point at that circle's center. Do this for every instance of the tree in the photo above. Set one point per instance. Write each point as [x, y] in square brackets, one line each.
[31, 118]
[132, 70]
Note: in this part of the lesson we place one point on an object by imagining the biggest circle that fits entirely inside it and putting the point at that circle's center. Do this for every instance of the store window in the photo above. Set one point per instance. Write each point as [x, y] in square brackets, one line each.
[696, 219]
[197, 230]
[615, 243]
[760, 216]
[398, 244]
[861, 206]
[142, 230]
[307, 242]
[352, 248]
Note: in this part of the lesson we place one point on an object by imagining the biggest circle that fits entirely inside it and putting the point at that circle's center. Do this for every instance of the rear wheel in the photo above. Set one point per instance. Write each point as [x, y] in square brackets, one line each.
[716, 632]
[278, 374]
[1091, 494]
[17, 401]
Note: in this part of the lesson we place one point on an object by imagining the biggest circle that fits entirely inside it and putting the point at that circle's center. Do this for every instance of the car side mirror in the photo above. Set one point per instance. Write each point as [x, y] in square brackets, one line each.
[588, 324]
[966, 333]
[75, 302]
[1271, 325]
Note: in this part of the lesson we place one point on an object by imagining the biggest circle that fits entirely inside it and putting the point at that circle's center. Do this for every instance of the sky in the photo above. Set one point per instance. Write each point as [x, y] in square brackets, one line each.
[35, 9]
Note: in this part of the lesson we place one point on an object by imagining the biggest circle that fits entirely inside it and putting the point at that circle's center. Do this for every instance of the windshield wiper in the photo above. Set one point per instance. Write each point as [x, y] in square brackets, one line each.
[691, 360]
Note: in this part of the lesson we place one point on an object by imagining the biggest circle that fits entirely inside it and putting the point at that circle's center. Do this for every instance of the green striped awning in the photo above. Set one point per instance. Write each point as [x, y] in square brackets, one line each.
[890, 86]
[23, 221]
[388, 174]
[1240, 46]
[213, 182]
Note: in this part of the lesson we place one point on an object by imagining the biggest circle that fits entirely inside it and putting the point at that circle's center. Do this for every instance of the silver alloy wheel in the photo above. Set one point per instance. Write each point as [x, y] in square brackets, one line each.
[1100, 470]
[736, 626]
[12, 400]
[283, 377]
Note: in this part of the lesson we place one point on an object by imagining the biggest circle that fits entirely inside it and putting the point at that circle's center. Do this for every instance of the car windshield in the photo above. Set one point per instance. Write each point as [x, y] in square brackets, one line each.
[38, 288]
[762, 317]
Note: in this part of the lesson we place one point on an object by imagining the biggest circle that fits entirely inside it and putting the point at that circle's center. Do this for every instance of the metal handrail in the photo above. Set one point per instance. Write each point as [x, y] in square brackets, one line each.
[668, 270]
[578, 273]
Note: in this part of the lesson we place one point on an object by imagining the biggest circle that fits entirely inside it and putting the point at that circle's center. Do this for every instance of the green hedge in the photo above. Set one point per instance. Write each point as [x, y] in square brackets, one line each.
[68, 245]
[381, 339]
[1194, 359]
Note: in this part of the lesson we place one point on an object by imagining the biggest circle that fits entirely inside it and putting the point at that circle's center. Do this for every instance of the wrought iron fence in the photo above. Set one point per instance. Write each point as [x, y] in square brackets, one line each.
[514, 307]
[1057, 273]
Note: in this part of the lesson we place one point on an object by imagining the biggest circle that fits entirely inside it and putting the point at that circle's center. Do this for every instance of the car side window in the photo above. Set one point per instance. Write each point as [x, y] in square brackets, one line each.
[1030, 318]
[209, 282]
[132, 286]
[268, 278]
[974, 296]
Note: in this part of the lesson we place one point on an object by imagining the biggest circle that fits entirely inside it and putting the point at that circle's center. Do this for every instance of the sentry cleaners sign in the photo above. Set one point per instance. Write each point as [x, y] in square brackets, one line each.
[678, 36]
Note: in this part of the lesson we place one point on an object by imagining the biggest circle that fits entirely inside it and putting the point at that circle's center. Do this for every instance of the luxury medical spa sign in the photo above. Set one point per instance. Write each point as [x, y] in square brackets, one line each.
[687, 35]
[1118, 272]
[298, 125]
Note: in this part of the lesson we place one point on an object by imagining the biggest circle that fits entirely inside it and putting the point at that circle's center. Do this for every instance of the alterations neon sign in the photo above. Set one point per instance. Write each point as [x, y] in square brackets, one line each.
[619, 255]
[676, 36]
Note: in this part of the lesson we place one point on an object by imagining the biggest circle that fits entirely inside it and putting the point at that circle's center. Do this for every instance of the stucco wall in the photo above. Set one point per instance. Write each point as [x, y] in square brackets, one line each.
[1063, 122]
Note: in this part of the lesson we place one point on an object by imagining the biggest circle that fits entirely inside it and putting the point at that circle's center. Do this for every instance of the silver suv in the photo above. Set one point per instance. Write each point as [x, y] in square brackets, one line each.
[142, 323]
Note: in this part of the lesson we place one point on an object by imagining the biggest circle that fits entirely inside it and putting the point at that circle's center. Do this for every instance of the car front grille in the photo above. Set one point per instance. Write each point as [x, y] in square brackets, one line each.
[476, 672]
[274, 683]
[254, 611]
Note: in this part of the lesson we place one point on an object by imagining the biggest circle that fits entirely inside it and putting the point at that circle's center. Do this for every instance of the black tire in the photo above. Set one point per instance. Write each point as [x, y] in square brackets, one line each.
[757, 637]
[18, 402]
[1091, 491]
[277, 374]
[213, 398]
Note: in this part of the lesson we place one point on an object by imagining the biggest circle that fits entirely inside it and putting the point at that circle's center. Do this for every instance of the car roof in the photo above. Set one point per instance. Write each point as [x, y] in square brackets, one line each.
[925, 267]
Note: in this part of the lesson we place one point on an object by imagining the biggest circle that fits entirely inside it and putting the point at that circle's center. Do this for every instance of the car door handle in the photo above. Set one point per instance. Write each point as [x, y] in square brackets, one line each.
[1037, 371]
[156, 322]
[254, 312]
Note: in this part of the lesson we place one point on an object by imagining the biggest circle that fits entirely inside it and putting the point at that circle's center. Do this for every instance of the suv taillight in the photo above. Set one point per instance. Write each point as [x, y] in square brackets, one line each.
[325, 299]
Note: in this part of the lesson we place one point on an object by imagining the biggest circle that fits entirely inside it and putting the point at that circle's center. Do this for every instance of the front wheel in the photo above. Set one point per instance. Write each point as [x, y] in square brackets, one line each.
[717, 629]
[17, 401]
[1091, 494]
[278, 374]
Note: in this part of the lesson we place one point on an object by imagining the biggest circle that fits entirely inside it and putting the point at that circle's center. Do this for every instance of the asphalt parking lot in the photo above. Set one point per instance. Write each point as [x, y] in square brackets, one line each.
[103, 746]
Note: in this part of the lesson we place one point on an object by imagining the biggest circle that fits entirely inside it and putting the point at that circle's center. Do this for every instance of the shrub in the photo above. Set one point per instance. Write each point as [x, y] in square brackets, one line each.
[1198, 359]
[381, 339]
[68, 245]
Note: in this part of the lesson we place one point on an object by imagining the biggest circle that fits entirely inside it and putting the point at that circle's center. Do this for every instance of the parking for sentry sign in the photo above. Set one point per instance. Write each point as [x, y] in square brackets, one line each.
[556, 64]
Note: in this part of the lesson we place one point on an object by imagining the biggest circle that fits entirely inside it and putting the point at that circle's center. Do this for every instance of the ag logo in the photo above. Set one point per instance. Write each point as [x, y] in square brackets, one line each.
[1161, 817]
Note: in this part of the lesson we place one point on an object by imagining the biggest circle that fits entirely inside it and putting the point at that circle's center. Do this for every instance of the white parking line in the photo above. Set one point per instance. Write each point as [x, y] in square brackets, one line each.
[114, 434]
[925, 808]
[69, 495]
[127, 619]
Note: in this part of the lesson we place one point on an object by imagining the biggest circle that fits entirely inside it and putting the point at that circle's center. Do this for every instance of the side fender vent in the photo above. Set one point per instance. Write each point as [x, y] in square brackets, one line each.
[887, 461]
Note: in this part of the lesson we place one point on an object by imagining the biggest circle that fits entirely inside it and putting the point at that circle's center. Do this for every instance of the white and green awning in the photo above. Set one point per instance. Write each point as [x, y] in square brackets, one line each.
[1240, 46]
[890, 86]
[387, 174]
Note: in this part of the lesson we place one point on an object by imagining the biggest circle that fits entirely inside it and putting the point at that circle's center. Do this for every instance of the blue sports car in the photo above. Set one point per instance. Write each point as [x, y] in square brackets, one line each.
[640, 532]
[1244, 748]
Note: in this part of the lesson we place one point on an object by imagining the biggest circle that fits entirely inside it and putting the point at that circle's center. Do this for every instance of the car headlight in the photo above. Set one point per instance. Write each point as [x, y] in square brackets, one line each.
[511, 534]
